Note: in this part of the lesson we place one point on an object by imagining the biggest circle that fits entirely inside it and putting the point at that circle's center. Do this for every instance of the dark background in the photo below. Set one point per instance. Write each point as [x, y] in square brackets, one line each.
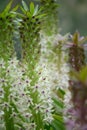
[72, 15]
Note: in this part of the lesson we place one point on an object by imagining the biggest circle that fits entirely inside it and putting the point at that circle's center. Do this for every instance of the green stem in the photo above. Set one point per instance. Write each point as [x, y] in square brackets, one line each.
[9, 122]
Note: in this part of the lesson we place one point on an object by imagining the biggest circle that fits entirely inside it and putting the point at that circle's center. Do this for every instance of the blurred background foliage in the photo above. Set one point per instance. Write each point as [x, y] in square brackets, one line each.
[72, 14]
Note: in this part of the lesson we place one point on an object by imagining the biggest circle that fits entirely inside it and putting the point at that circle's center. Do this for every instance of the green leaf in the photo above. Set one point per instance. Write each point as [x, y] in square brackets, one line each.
[58, 117]
[61, 93]
[32, 8]
[35, 10]
[29, 14]
[19, 124]
[7, 8]
[51, 128]
[58, 125]
[15, 8]
[25, 6]
[58, 103]
[22, 9]
[41, 15]
[83, 74]
[20, 15]
[40, 10]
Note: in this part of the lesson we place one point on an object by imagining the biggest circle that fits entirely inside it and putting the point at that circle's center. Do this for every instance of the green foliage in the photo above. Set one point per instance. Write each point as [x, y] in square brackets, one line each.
[81, 76]
[58, 122]
[32, 8]
[7, 8]
[51, 21]
[25, 6]
[7, 30]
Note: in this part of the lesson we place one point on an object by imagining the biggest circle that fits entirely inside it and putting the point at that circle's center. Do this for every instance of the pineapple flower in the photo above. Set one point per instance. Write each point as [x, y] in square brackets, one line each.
[71, 114]
[17, 94]
[55, 71]
[56, 68]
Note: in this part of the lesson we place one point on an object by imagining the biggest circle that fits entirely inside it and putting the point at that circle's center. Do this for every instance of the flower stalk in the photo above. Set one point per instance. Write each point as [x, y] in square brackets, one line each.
[77, 87]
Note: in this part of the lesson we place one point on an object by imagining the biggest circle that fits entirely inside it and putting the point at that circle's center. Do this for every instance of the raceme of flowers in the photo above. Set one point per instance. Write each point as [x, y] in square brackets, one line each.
[25, 104]
[56, 67]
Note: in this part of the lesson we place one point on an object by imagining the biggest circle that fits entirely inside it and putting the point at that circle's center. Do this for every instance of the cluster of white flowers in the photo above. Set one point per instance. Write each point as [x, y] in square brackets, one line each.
[32, 104]
[45, 89]
[27, 102]
[11, 85]
[57, 70]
